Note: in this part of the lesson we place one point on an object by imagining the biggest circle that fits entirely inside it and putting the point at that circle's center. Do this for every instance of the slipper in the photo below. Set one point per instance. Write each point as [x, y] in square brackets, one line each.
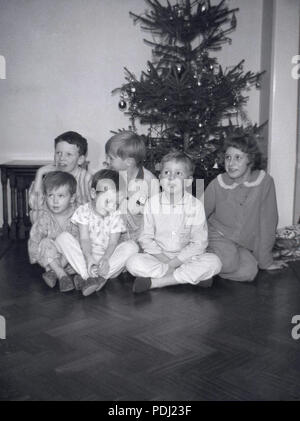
[89, 286]
[101, 283]
[66, 284]
[50, 278]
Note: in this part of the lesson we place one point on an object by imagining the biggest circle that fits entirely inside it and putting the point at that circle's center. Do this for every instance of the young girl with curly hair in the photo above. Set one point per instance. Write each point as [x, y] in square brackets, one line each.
[241, 209]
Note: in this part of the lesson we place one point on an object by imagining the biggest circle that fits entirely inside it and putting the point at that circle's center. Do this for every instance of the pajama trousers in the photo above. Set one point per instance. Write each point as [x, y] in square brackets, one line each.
[192, 271]
[71, 249]
[238, 263]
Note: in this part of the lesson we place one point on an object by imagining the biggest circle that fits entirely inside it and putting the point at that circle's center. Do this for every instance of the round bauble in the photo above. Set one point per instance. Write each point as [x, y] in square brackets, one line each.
[122, 105]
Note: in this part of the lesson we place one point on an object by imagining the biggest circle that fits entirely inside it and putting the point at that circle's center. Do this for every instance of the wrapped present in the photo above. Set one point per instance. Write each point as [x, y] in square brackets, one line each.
[287, 244]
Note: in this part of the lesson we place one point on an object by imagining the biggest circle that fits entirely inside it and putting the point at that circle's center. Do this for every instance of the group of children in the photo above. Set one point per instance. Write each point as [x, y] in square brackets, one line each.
[90, 228]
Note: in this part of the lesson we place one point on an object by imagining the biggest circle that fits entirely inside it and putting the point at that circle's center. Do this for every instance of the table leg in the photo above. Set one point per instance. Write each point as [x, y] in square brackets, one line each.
[20, 204]
[14, 216]
[5, 226]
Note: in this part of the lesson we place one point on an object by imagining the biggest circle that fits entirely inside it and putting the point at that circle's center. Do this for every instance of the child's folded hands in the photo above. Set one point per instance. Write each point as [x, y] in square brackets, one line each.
[103, 267]
[92, 266]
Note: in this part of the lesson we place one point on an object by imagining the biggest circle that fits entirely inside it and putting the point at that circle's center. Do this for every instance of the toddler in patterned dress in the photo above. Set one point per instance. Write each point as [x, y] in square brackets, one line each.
[98, 255]
[59, 189]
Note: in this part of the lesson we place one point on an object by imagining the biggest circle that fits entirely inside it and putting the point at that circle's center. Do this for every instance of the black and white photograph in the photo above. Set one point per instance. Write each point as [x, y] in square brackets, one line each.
[150, 203]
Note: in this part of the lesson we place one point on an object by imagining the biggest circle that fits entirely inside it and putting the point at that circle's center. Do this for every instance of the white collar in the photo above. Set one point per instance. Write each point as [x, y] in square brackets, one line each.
[164, 199]
[232, 186]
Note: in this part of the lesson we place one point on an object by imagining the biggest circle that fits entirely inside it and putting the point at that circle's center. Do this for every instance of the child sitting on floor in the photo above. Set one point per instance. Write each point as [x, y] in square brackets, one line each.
[99, 255]
[59, 189]
[125, 153]
[70, 154]
[242, 212]
[174, 238]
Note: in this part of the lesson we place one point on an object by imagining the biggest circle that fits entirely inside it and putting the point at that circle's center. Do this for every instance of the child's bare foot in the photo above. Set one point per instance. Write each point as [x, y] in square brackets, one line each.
[50, 278]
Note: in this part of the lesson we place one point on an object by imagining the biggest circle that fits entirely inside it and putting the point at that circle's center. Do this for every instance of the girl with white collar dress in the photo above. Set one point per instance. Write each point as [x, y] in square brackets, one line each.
[241, 209]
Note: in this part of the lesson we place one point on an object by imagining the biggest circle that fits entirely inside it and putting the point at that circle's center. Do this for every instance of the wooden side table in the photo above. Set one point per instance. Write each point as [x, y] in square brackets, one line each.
[20, 175]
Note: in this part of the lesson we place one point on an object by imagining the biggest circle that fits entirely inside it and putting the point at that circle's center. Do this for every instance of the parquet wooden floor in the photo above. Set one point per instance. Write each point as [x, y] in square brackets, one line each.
[230, 342]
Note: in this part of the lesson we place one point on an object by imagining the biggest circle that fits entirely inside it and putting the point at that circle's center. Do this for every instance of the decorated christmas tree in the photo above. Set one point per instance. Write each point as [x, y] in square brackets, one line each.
[184, 97]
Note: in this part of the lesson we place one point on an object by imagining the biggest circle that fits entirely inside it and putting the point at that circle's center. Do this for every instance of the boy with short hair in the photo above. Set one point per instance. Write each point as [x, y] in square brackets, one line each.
[70, 154]
[174, 238]
[98, 255]
[125, 153]
[59, 190]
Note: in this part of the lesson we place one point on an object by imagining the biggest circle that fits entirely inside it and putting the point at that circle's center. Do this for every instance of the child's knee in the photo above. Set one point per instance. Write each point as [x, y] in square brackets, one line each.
[131, 247]
[247, 269]
[64, 237]
[64, 240]
[132, 262]
[250, 271]
[214, 262]
[248, 264]
[127, 249]
[229, 258]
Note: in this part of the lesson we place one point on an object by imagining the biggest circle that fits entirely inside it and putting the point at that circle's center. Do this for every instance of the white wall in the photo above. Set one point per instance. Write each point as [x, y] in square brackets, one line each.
[64, 57]
[283, 118]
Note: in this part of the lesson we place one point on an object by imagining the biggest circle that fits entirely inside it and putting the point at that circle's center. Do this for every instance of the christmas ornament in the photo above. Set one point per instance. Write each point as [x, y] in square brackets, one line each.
[122, 105]
[180, 69]
[180, 13]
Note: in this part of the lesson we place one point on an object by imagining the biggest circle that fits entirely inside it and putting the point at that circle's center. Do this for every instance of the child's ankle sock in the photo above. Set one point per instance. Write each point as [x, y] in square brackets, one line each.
[50, 278]
[141, 284]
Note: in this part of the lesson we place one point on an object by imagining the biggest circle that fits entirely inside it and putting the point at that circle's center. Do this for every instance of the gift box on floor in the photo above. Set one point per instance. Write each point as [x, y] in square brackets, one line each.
[287, 244]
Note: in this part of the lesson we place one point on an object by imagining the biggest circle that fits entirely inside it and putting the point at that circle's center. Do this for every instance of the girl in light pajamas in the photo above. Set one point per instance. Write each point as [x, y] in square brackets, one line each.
[98, 255]
[174, 238]
[242, 214]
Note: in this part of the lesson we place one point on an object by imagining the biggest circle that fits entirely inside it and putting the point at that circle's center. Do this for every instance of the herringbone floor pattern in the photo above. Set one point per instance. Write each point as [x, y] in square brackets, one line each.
[230, 342]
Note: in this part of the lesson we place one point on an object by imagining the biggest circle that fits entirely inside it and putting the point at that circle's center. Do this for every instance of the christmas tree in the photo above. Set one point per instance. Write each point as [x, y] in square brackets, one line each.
[187, 100]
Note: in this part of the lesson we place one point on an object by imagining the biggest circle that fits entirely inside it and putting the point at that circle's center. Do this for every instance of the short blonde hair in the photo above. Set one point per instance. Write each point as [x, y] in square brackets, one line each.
[179, 156]
[127, 144]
